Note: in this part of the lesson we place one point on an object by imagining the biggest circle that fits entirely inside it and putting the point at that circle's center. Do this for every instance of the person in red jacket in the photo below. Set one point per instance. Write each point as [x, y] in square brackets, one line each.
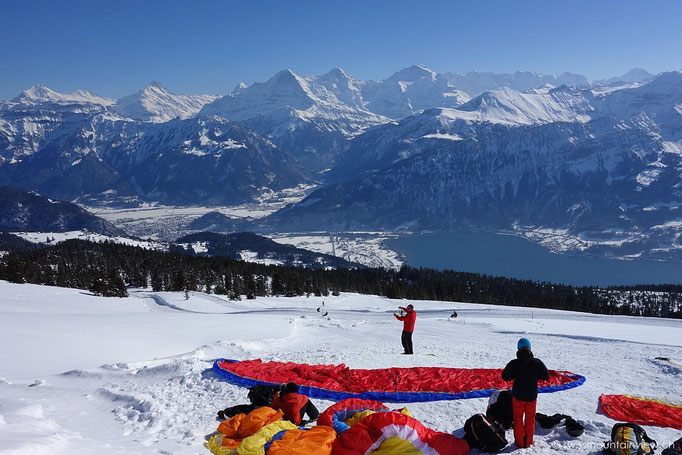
[294, 405]
[525, 370]
[408, 327]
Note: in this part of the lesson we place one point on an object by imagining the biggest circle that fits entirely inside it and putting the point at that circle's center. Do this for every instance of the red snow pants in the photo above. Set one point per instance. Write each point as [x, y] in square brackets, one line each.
[524, 429]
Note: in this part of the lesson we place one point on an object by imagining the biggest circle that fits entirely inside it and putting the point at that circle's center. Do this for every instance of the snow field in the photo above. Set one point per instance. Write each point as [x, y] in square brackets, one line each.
[85, 374]
[57, 237]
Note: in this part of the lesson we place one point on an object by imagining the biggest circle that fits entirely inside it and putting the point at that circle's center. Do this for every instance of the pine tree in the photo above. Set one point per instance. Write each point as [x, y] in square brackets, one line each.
[236, 293]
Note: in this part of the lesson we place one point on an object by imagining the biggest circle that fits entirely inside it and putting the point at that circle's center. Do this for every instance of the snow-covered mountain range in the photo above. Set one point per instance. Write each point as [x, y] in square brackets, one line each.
[418, 148]
[599, 162]
[148, 146]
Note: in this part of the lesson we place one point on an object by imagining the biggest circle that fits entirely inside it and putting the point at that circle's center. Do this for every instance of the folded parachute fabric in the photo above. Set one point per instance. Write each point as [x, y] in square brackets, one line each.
[255, 444]
[315, 441]
[215, 445]
[234, 430]
[389, 433]
[337, 415]
[337, 382]
[643, 411]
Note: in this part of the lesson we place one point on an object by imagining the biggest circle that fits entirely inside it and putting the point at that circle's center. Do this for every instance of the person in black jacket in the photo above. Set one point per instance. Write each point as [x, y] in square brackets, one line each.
[525, 371]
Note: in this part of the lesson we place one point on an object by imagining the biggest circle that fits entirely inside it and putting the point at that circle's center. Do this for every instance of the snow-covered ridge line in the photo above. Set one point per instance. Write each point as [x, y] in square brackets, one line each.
[40, 94]
[52, 238]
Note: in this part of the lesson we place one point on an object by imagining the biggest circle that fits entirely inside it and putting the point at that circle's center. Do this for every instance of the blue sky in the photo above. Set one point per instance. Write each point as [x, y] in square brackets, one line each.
[114, 48]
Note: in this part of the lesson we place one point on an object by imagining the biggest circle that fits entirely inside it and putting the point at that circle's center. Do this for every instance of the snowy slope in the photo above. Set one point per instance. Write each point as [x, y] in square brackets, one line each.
[22, 210]
[659, 98]
[506, 106]
[155, 103]
[179, 161]
[84, 374]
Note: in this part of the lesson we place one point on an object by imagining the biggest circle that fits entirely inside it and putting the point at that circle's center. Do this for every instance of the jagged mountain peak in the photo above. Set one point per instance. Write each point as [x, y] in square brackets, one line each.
[413, 73]
[157, 85]
[285, 90]
[343, 86]
[336, 76]
[156, 103]
[153, 87]
[339, 72]
[286, 75]
[286, 84]
[239, 87]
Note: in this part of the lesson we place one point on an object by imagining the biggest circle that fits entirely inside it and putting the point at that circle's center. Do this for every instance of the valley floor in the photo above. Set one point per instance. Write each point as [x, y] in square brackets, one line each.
[84, 374]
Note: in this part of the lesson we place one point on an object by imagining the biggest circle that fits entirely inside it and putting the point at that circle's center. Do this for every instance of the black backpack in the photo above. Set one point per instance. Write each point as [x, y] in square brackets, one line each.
[500, 408]
[629, 439]
[674, 449]
[573, 427]
[483, 434]
[262, 395]
[259, 395]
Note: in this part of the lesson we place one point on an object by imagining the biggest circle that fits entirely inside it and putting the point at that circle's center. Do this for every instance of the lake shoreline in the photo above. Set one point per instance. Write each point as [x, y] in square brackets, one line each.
[513, 255]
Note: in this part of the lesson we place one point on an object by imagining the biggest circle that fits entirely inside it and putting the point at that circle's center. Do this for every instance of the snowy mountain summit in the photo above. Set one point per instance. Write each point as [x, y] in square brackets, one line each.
[156, 104]
[39, 94]
[410, 91]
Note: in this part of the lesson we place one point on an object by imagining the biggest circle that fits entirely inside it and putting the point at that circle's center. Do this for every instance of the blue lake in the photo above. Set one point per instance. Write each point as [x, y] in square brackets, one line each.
[515, 257]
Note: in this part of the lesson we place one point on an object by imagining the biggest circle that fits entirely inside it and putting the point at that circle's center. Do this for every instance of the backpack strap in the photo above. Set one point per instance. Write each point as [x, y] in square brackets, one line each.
[644, 435]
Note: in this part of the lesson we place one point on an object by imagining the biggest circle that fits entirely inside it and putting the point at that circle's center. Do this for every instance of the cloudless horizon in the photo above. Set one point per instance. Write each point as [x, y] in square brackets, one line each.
[116, 48]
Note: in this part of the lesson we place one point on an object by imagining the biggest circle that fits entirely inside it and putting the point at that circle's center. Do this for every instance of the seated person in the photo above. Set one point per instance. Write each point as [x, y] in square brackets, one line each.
[294, 405]
[259, 395]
